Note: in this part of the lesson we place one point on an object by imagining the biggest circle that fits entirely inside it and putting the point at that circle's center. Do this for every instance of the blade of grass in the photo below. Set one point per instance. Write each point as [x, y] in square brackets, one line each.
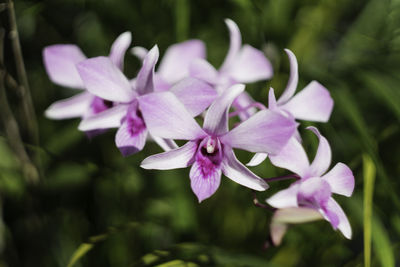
[369, 180]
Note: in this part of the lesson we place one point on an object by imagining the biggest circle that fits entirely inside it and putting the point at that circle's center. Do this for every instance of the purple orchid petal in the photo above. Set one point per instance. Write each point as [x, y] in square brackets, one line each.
[166, 117]
[242, 102]
[110, 118]
[313, 103]
[165, 144]
[216, 119]
[131, 136]
[177, 58]
[203, 70]
[333, 210]
[257, 159]
[236, 171]
[118, 49]
[159, 84]
[60, 62]
[272, 105]
[234, 45]
[145, 77]
[314, 193]
[293, 79]
[323, 157]
[204, 184]
[72, 107]
[102, 78]
[250, 65]
[195, 95]
[285, 198]
[285, 216]
[292, 157]
[341, 180]
[266, 132]
[139, 52]
[174, 159]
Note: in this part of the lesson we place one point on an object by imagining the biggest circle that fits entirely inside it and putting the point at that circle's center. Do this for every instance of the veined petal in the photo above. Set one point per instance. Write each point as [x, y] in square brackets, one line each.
[292, 157]
[313, 103]
[257, 159]
[118, 49]
[334, 209]
[110, 118]
[201, 69]
[234, 45]
[194, 94]
[341, 179]
[166, 117]
[323, 157]
[216, 119]
[266, 132]
[144, 80]
[250, 65]
[72, 107]
[293, 79]
[204, 184]
[102, 78]
[285, 198]
[236, 171]
[130, 140]
[139, 52]
[180, 157]
[60, 62]
[175, 63]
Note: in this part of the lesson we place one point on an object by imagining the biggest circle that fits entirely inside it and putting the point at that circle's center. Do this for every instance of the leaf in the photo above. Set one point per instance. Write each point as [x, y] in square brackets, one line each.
[369, 180]
[79, 253]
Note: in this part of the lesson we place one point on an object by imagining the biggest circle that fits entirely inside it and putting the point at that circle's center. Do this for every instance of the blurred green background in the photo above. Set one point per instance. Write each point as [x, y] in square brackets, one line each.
[88, 193]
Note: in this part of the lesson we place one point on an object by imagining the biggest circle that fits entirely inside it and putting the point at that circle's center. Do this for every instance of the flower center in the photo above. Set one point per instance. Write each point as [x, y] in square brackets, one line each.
[98, 105]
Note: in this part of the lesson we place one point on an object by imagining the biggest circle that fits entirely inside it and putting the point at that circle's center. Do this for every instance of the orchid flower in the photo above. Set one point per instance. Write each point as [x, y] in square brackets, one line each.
[103, 79]
[242, 64]
[175, 64]
[312, 193]
[209, 150]
[60, 62]
[313, 103]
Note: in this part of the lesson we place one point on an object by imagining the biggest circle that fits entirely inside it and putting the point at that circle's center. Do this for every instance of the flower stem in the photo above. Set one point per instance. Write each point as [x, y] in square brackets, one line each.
[284, 177]
[261, 205]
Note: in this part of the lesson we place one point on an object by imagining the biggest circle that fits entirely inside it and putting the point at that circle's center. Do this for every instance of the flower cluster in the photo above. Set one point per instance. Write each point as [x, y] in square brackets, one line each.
[161, 105]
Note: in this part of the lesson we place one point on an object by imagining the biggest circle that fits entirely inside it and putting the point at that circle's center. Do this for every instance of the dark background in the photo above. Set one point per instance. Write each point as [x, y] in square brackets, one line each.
[88, 192]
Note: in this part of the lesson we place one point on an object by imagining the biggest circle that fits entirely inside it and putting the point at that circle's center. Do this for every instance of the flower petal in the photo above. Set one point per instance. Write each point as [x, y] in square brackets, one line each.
[234, 45]
[216, 119]
[201, 69]
[334, 210]
[313, 192]
[195, 95]
[341, 179]
[204, 185]
[313, 103]
[236, 171]
[102, 78]
[145, 77]
[292, 157]
[165, 144]
[266, 132]
[250, 65]
[130, 142]
[293, 79]
[139, 52]
[166, 117]
[272, 105]
[177, 58]
[323, 157]
[72, 107]
[174, 159]
[60, 62]
[242, 102]
[257, 159]
[110, 118]
[118, 49]
[285, 198]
